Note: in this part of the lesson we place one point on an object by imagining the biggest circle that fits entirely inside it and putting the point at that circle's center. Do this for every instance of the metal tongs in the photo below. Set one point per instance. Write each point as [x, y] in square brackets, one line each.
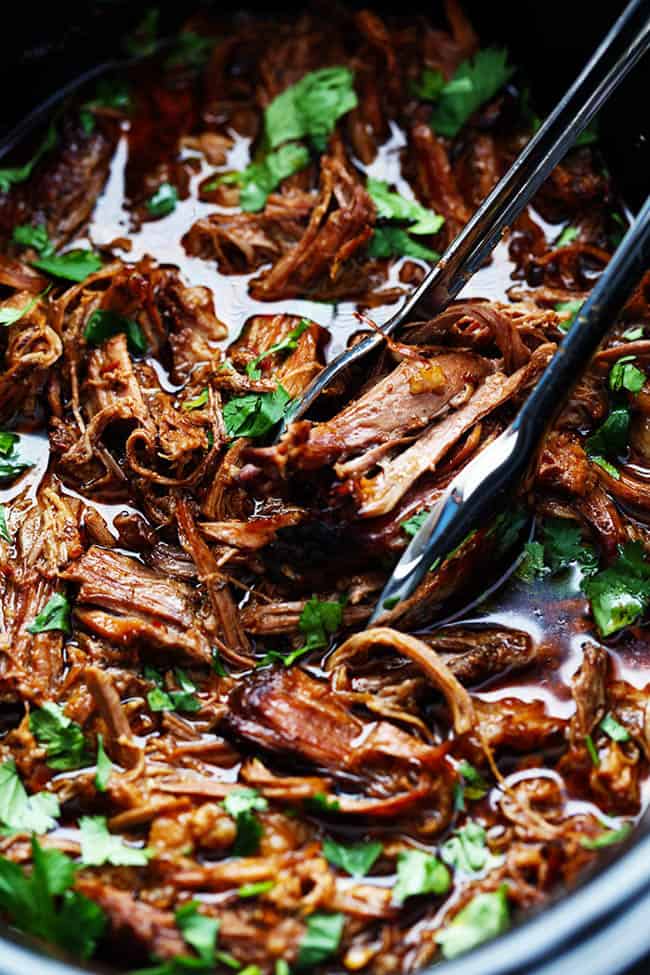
[481, 486]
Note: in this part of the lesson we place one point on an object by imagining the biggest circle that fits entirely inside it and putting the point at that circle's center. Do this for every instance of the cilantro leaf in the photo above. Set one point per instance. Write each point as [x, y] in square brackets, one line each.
[261, 178]
[610, 439]
[612, 728]
[321, 939]
[18, 174]
[608, 838]
[192, 50]
[142, 41]
[288, 344]
[592, 750]
[633, 334]
[392, 206]
[241, 804]
[98, 846]
[104, 323]
[74, 265]
[483, 918]
[9, 316]
[18, 811]
[570, 308]
[55, 615]
[11, 464]
[110, 93]
[4, 530]
[474, 83]
[563, 546]
[413, 524]
[625, 375]
[42, 904]
[255, 414]
[620, 593]
[159, 699]
[356, 859]
[320, 803]
[104, 766]
[567, 236]
[428, 86]
[199, 931]
[164, 200]
[66, 745]
[198, 402]
[252, 890]
[319, 620]
[467, 849]
[532, 565]
[311, 107]
[395, 242]
[33, 236]
[419, 873]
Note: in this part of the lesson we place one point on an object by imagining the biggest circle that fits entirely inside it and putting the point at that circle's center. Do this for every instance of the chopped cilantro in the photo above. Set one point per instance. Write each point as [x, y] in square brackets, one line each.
[253, 890]
[593, 752]
[74, 265]
[42, 903]
[217, 664]
[199, 931]
[18, 174]
[320, 802]
[4, 530]
[356, 859]
[9, 316]
[467, 849]
[198, 402]
[483, 918]
[104, 766]
[142, 41]
[242, 804]
[164, 200]
[610, 439]
[620, 593]
[606, 466]
[66, 745]
[532, 564]
[192, 50]
[625, 375]
[18, 811]
[159, 699]
[255, 414]
[288, 344]
[419, 873]
[395, 242]
[11, 464]
[98, 846]
[104, 323]
[261, 178]
[633, 334]
[613, 729]
[393, 206]
[111, 93]
[413, 524]
[37, 237]
[608, 838]
[428, 86]
[319, 620]
[55, 615]
[321, 939]
[474, 83]
[472, 785]
[563, 546]
[571, 308]
[311, 107]
[567, 236]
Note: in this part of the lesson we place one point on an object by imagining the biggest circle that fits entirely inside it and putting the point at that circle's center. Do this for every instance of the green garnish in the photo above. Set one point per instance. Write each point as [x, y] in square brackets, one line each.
[192, 50]
[199, 931]
[319, 620]
[4, 530]
[474, 83]
[288, 344]
[311, 107]
[570, 307]
[473, 786]
[18, 811]
[55, 615]
[110, 93]
[613, 729]
[9, 316]
[620, 593]
[242, 804]
[160, 699]
[66, 745]
[563, 546]
[532, 564]
[27, 235]
[253, 890]
[392, 206]
[419, 873]
[589, 135]
[593, 752]
[261, 178]
[18, 174]
[104, 766]
[104, 323]
[74, 265]
[255, 414]
[633, 334]
[428, 86]
[567, 236]
[319, 802]
[142, 41]
[98, 846]
[395, 242]
[625, 375]
[321, 939]
[198, 402]
[164, 200]
[43, 904]
[610, 439]
[11, 464]
[356, 859]
[483, 918]
[608, 838]
[467, 849]
[217, 664]
[413, 524]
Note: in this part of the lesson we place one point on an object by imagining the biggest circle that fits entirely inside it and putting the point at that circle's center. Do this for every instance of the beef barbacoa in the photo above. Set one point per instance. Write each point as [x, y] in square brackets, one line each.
[208, 760]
